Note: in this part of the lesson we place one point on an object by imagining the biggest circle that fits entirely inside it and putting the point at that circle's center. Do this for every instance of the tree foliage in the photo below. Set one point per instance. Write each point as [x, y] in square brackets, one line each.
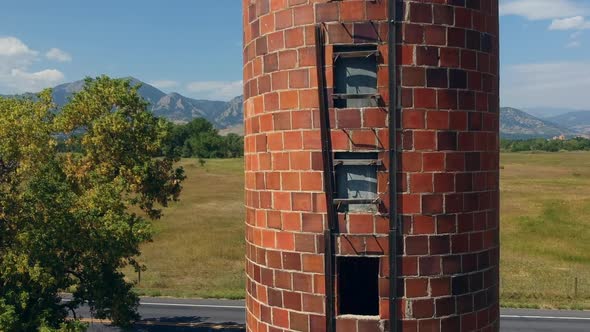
[200, 139]
[541, 144]
[71, 221]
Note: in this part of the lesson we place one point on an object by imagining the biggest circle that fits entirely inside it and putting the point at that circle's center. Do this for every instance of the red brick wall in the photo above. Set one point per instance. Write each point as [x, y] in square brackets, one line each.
[448, 165]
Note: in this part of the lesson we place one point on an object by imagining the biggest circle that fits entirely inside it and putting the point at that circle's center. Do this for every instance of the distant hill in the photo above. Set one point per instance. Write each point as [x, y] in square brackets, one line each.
[172, 106]
[228, 115]
[517, 124]
[578, 121]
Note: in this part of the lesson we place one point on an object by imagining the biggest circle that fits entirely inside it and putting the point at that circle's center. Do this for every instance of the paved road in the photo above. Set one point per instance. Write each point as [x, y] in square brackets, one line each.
[544, 320]
[177, 315]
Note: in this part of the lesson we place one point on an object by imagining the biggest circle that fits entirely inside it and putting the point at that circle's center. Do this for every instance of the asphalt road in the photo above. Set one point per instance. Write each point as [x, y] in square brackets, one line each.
[544, 320]
[176, 315]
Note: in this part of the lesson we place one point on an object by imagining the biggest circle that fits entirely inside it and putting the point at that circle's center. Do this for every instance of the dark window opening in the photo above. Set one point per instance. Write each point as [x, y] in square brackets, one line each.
[358, 286]
[355, 76]
[356, 181]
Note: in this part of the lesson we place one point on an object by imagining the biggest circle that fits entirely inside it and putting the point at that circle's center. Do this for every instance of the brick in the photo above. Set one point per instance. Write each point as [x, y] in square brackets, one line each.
[423, 225]
[291, 261]
[284, 19]
[301, 202]
[416, 245]
[422, 308]
[313, 303]
[449, 57]
[447, 141]
[348, 118]
[439, 245]
[303, 15]
[313, 263]
[327, 12]
[429, 266]
[413, 119]
[443, 15]
[437, 78]
[317, 323]
[299, 78]
[421, 182]
[340, 33]
[413, 34]
[435, 35]
[444, 182]
[416, 287]
[434, 161]
[420, 13]
[280, 317]
[292, 300]
[365, 33]
[289, 99]
[437, 119]
[288, 60]
[347, 324]
[290, 181]
[432, 204]
[352, 11]
[294, 37]
[447, 100]
[285, 241]
[424, 140]
[298, 321]
[413, 76]
[271, 62]
[427, 56]
[374, 118]
[280, 80]
[425, 98]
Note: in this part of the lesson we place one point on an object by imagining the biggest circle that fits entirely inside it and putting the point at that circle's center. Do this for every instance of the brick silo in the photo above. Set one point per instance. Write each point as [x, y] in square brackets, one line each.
[329, 247]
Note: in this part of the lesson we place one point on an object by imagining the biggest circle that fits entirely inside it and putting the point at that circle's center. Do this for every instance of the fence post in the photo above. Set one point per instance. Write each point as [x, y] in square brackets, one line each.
[576, 288]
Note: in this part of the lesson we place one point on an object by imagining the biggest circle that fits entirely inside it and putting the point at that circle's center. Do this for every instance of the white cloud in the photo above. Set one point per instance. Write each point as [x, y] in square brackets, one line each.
[58, 55]
[557, 84]
[216, 89]
[573, 44]
[10, 46]
[164, 84]
[544, 9]
[570, 23]
[23, 81]
[16, 75]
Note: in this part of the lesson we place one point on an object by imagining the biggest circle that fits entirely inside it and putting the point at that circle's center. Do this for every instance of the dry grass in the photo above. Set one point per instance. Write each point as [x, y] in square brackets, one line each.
[545, 230]
[198, 249]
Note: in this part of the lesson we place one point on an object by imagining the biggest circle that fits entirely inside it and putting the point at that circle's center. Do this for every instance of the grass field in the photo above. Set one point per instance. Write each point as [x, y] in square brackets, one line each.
[545, 230]
[198, 250]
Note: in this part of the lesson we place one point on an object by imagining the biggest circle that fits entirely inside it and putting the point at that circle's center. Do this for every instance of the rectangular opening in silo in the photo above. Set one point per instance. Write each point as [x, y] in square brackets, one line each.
[358, 286]
[356, 181]
[355, 76]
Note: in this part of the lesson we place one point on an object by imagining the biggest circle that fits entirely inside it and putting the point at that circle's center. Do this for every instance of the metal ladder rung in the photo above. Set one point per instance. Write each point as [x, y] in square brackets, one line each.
[354, 201]
[358, 162]
[355, 95]
[356, 54]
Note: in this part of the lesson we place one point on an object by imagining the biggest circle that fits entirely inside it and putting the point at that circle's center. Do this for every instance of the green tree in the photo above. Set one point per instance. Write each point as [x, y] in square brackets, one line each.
[200, 139]
[71, 221]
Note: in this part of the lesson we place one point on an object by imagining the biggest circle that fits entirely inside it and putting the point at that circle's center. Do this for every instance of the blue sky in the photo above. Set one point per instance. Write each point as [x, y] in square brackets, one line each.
[194, 47]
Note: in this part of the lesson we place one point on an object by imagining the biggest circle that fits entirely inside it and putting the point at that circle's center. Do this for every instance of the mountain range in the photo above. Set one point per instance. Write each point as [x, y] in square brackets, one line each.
[172, 106]
[228, 115]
